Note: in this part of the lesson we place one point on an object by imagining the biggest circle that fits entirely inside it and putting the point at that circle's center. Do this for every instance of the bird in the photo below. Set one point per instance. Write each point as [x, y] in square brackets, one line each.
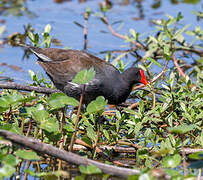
[61, 65]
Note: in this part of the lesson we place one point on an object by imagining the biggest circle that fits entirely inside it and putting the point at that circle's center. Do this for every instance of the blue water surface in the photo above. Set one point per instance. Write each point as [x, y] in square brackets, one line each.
[62, 17]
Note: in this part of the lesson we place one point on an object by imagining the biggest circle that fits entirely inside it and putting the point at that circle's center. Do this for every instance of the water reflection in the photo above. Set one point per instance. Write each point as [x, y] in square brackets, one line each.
[15, 8]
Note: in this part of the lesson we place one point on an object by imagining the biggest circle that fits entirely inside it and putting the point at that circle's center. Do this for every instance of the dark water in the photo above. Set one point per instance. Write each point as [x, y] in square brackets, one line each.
[62, 17]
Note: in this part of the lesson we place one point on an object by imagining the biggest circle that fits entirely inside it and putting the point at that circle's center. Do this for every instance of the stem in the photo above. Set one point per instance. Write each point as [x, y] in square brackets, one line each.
[63, 119]
[85, 30]
[178, 67]
[97, 135]
[183, 156]
[151, 84]
[9, 113]
[26, 174]
[22, 126]
[77, 120]
[29, 127]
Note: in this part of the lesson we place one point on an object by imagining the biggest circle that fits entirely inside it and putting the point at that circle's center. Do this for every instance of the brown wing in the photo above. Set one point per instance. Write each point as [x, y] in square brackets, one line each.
[66, 64]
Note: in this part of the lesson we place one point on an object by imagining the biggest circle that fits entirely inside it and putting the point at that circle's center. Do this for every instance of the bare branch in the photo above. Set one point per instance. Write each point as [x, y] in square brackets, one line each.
[138, 45]
[66, 156]
[177, 66]
[86, 16]
[37, 89]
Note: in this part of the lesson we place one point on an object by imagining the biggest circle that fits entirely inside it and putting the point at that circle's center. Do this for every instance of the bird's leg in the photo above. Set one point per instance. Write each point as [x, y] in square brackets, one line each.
[77, 120]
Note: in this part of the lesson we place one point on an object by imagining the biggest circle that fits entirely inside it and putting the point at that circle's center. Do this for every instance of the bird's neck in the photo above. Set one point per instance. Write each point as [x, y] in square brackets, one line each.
[122, 91]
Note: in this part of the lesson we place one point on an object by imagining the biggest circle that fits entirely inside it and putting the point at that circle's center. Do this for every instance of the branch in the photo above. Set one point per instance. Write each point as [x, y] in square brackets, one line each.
[86, 16]
[177, 66]
[129, 150]
[37, 89]
[198, 52]
[66, 156]
[138, 45]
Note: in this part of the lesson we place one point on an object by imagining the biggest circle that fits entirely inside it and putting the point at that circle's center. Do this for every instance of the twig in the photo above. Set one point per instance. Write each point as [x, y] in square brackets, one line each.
[66, 156]
[138, 45]
[97, 135]
[77, 120]
[178, 67]
[190, 150]
[22, 125]
[152, 87]
[86, 16]
[27, 167]
[198, 52]
[120, 149]
[29, 127]
[184, 162]
[199, 174]
[37, 89]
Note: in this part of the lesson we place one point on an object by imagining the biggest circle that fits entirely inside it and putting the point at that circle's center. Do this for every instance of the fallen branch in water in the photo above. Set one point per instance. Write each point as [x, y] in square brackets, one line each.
[129, 150]
[66, 156]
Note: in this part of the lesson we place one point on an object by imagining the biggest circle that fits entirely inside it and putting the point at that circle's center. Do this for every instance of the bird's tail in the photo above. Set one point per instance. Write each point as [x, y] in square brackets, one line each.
[37, 51]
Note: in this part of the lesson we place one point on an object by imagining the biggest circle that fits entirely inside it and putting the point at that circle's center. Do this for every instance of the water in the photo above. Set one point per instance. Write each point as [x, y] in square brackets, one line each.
[62, 17]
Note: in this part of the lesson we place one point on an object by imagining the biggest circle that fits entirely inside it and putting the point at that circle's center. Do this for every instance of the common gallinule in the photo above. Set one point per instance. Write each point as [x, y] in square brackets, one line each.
[62, 65]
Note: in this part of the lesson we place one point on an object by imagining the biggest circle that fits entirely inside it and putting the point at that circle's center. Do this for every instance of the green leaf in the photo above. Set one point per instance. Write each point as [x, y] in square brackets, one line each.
[7, 171]
[68, 127]
[91, 169]
[91, 133]
[179, 16]
[31, 36]
[10, 99]
[12, 128]
[97, 105]
[134, 34]
[172, 172]
[59, 100]
[154, 61]
[40, 115]
[106, 134]
[130, 111]
[2, 29]
[197, 155]
[28, 155]
[138, 126]
[4, 104]
[183, 107]
[50, 125]
[180, 31]
[84, 76]
[165, 87]
[171, 161]
[200, 14]
[10, 160]
[182, 129]
[47, 28]
[134, 177]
